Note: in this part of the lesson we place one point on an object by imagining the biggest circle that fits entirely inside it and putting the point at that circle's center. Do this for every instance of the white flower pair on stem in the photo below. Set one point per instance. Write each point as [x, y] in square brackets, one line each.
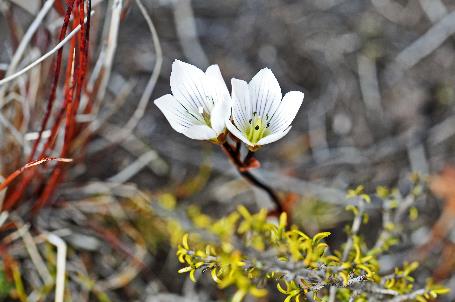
[201, 107]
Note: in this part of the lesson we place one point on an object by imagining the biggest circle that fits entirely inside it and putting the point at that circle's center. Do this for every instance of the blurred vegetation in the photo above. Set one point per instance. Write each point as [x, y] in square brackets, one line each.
[379, 83]
[249, 250]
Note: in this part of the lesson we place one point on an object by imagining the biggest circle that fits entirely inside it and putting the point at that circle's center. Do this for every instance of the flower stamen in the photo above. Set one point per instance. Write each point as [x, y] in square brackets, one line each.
[205, 116]
[257, 129]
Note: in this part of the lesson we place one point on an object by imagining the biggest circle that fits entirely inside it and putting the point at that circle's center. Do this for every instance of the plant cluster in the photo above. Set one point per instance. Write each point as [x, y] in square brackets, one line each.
[248, 251]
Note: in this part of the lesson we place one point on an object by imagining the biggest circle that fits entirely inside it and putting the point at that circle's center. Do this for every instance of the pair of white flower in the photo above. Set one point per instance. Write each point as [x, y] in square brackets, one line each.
[201, 107]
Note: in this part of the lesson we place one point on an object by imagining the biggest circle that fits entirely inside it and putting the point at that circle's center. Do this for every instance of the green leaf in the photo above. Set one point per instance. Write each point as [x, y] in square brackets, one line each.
[353, 209]
[441, 291]
[185, 241]
[244, 212]
[192, 275]
[301, 234]
[239, 295]
[318, 237]
[215, 276]
[185, 270]
[281, 289]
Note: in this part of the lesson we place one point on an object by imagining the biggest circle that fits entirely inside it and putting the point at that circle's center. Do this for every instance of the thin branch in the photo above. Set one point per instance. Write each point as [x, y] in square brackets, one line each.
[108, 52]
[187, 33]
[145, 98]
[354, 229]
[29, 165]
[434, 9]
[134, 168]
[250, 177]
[349, 243]
[408, 297]
[44, 57]
[369, 86]
[25, 41]
[27, 38]
[422, 47]
[3, 217]
[61, 265]
[33, 251]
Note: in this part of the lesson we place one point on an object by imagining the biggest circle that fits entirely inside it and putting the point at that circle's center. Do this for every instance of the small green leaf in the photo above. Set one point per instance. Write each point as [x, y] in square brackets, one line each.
[192, 275]
[318, 237]
[185, 241]
[185, 270]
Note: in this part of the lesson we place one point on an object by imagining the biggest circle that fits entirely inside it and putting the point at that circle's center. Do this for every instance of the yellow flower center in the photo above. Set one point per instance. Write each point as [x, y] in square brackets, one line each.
[205, 116]
[257, 129]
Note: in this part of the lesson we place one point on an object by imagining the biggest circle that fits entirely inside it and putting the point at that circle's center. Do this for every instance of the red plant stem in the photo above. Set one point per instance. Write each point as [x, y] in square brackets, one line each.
[248, 156]
[48, 189]
[238, 145]
[12, 199]
[58, 63]
[74, 84]
[58, 6]
[72, 106]
[89, 15]
[88, 107]
[32, 164]
[69, 87]
[82, 71]
[235, 158]
[57, 173]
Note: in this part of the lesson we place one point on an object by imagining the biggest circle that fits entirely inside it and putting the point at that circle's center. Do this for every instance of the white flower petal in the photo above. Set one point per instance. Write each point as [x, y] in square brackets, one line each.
[273, 137]
[265, 93]
[222, 100]
[241, 108]
[176, 115]
[187, 86]
[237, 133]
[216, 83]
[287, 111]
[201, 132]
[262, 116]
[220, 113]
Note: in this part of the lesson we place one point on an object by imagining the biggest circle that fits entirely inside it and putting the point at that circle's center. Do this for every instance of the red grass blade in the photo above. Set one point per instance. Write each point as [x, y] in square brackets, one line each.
[29, 165]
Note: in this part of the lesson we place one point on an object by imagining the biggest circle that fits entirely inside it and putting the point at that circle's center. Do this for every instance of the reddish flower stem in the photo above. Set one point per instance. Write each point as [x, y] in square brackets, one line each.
[234, 155]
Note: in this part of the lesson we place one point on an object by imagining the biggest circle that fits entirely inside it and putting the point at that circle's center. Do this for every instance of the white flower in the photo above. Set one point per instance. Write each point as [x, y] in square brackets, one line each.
[200, 102]
[260, 114]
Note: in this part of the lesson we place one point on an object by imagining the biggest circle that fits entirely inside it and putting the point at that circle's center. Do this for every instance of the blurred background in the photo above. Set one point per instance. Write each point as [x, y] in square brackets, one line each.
[379, 84]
